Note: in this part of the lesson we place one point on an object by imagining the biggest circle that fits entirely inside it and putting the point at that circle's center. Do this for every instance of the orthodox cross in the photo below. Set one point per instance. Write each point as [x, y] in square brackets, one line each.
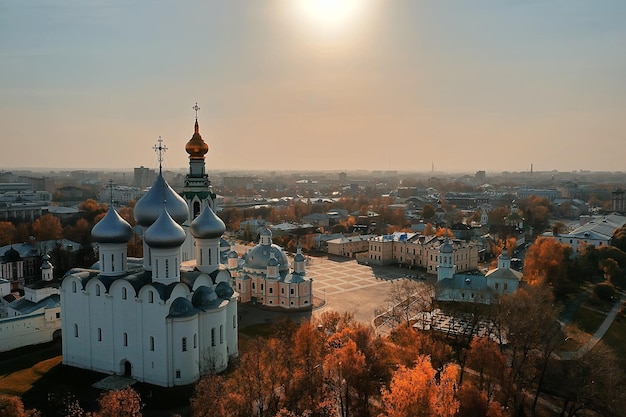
[196, 108]
[111, 191]
[160, 149]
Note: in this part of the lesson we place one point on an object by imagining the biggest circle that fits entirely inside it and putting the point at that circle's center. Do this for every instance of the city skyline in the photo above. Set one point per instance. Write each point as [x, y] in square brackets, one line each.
[331, 85]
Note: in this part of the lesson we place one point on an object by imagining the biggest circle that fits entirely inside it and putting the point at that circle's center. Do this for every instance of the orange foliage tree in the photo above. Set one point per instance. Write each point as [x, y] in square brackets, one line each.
[415, 392]
[12, 406]
[47, 227]
[7, 233]
[119, 403]
[546, 262]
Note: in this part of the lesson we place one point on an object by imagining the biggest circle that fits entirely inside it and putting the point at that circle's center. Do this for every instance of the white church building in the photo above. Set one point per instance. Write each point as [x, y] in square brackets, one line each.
[152, 319]
[474, 288]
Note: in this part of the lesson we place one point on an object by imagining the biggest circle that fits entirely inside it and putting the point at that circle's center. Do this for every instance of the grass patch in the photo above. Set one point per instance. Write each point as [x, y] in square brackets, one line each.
[19, 382]
[589, 320]
[615, 337]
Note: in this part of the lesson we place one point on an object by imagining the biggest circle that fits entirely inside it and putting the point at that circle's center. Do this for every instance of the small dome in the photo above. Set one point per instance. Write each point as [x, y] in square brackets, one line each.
[112, 229]
[299, 256]
[224, 290]
[446, 247]
[12, 255]
[164, 232]
[259, 256]
[205, 297]
[196, 147]
[207, 225]
[46, 265]
[149, 207]
[182, 307]
[266, 232]
[233, 254]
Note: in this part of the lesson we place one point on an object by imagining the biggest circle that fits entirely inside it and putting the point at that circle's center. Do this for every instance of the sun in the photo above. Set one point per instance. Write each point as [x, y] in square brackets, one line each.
[330, 16]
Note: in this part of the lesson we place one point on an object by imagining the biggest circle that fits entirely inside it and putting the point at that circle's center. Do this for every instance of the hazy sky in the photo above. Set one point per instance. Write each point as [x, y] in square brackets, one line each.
[315, 84]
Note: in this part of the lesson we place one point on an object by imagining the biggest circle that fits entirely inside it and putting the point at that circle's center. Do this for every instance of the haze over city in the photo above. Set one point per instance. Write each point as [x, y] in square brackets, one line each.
[293, 85]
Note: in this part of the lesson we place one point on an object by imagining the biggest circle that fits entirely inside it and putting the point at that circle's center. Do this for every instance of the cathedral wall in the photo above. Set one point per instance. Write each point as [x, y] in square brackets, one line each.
[183, 352]
[75, 324]
[231, 323]
[213, 342]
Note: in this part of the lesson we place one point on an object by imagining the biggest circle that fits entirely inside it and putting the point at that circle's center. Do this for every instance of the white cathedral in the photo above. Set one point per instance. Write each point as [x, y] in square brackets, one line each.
[153, 320]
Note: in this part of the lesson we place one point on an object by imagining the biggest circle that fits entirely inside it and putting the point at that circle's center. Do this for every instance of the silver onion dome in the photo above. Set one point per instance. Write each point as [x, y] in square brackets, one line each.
[149, 207]
[112, 229]
[207, 225]
[164, 232]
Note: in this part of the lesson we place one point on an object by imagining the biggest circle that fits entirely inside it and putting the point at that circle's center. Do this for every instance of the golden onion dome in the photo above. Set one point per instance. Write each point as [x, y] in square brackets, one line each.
[196, 147]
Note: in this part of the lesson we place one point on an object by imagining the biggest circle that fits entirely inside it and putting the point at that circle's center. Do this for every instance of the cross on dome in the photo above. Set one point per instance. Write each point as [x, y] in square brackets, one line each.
[111, 191]
[160, 149]
[196, 108]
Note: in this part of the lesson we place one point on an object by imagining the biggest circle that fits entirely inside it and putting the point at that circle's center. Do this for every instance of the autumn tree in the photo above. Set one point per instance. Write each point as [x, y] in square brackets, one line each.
[208, 397]
[12, 406]
[428, 212]
[546, 263]
[497, 215]
[119, 403]
[594, 382]
[410, 344]
[408, 298]
[305, 388]
[537, 212]
[79, 232]
[47, 227]
[259, 379]
[485, 359]
[345, 366]
[7, 233]
[91, 209]
[415, 392]
[444, 232]
[532, 314]
[429, 230]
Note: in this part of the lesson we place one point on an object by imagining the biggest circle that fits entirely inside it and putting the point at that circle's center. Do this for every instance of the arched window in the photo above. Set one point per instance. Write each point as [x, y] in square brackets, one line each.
[75, 330]
[112, 263]
[151, 343]
[97, 290]
[125, 339]
[195, 340]
[196, 209]
[209, 256]
[221, 334]
[99, 334]
[150, 297]
[73, 286]
[124, 293]
[213, 336]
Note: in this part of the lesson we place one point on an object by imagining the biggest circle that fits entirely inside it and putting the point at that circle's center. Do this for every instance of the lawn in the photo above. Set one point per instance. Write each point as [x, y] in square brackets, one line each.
[588, 320]
[615, 337]
[19, 382]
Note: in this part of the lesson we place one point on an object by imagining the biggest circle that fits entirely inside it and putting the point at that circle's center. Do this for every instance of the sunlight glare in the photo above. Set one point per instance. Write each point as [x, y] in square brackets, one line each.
[330, 16]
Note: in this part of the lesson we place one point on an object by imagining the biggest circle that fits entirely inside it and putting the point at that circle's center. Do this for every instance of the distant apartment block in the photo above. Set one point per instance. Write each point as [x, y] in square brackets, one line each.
[143, 177]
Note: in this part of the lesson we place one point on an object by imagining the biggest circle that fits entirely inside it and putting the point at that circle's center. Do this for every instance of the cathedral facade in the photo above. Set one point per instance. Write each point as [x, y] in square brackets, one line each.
[151, 319]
